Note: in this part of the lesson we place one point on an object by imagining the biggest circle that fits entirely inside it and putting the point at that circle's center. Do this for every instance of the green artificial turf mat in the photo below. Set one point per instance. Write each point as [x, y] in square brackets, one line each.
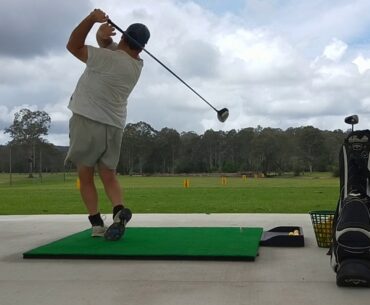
[208, 243]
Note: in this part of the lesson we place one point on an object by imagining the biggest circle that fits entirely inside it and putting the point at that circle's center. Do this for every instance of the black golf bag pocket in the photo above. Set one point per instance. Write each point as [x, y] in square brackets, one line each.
[350, 255]
[352, 231]
[354, 273]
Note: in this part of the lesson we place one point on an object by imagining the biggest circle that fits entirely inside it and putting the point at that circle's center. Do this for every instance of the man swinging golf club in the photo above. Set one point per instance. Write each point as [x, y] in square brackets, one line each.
[99, 105]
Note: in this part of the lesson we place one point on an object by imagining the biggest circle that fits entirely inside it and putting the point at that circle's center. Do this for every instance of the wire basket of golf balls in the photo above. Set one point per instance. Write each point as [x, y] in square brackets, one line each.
[322, 222]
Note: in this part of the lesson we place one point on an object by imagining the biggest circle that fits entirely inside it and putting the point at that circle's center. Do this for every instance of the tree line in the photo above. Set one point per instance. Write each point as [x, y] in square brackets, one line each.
[263, 150]
[148, 151]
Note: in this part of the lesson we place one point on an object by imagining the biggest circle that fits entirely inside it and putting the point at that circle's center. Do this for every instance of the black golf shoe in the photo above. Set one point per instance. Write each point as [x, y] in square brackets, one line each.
[117, 229]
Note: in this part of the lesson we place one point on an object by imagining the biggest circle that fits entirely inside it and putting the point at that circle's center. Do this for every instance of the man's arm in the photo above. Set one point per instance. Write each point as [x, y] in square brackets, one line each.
[76, 44]
[104, 35]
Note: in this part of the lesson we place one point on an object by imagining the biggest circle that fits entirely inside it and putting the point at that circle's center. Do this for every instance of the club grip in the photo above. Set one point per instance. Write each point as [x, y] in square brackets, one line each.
[115, 26]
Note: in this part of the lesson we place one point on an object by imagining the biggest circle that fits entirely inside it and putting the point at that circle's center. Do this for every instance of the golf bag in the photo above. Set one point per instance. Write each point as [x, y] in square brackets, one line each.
[350, 250]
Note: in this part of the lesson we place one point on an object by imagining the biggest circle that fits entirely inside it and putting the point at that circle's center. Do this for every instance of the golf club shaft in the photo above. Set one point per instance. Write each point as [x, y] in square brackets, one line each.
[164, 66]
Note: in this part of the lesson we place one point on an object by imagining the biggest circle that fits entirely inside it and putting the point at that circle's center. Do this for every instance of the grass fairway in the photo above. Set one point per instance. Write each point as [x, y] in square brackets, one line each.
[57, 194]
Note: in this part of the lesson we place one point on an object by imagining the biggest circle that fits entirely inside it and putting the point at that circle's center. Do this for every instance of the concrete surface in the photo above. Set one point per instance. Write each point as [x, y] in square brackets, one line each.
[288, 276]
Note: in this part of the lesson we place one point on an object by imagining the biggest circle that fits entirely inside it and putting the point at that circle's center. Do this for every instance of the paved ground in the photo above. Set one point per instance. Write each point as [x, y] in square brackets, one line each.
[288, 276]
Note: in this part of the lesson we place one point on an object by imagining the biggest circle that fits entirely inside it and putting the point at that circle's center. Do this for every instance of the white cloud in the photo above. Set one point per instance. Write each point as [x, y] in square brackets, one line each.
[335, 50]
[363, 64]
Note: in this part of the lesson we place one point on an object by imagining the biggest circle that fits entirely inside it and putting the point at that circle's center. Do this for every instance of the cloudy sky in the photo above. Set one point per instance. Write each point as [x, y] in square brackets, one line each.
[273, 63]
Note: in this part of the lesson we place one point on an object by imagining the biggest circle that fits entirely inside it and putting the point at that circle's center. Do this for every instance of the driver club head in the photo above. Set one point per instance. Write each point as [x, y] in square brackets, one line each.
[223, 114]
[352, 119]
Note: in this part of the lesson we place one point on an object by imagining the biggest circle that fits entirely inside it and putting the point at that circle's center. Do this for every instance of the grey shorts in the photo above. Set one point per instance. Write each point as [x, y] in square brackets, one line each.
[92, 143]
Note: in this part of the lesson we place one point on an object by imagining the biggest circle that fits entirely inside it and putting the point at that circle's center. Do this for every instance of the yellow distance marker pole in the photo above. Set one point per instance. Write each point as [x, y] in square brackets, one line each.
[186, 183]
[78, 183]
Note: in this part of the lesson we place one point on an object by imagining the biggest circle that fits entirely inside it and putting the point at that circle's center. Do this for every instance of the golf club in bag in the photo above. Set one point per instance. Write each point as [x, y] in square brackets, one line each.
[222, 114]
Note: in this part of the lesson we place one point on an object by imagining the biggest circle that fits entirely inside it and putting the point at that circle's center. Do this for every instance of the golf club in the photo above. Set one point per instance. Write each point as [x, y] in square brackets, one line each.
[222, 114]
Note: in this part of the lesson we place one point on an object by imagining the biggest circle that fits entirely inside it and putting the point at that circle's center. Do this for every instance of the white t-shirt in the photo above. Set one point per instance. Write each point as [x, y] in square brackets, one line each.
[103, 88]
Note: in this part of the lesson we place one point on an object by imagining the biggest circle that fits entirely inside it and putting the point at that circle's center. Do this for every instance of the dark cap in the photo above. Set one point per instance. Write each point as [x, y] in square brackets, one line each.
[138, 34]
